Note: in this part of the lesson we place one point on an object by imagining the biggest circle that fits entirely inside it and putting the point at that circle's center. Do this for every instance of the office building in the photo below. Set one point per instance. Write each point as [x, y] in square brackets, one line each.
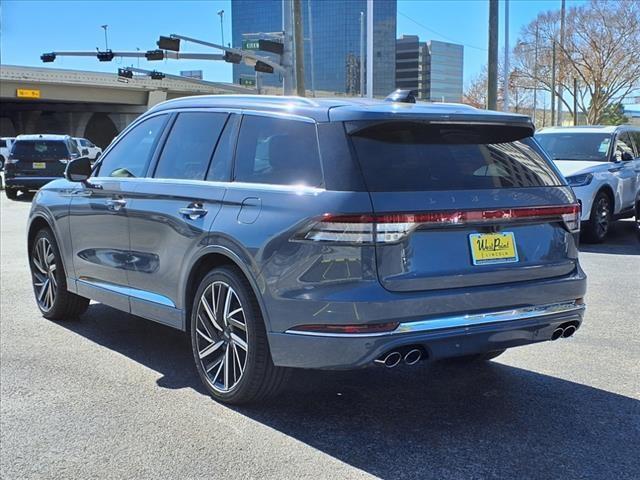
[334, 37]
[434, 70]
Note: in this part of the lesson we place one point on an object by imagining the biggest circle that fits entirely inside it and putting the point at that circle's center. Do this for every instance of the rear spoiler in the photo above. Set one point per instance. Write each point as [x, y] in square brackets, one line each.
[449, 130]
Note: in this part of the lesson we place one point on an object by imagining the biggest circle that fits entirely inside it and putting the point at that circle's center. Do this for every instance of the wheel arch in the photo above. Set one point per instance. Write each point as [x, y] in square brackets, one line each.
[37, 223]
[212, 257]
[608, 190]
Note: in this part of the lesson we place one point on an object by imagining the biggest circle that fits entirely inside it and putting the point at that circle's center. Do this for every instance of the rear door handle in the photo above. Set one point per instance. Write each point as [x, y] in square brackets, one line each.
[193, 211]
[116, 203]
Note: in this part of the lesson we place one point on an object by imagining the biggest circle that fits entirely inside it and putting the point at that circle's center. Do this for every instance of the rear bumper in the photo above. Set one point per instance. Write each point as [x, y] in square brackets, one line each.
[29, 183]
[442, 337]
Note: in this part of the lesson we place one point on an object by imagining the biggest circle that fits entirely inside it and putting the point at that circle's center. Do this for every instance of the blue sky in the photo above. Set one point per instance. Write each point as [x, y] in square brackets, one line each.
[30, 28]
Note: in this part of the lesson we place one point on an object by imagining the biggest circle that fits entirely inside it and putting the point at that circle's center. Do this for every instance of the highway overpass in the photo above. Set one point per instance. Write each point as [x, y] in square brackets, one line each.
[94, 105]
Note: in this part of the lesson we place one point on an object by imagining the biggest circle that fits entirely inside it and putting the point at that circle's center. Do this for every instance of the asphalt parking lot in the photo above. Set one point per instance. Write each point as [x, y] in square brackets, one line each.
[115, 396]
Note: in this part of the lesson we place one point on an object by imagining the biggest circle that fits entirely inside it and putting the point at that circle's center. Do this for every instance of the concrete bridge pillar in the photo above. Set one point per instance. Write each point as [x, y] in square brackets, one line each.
[155, 97]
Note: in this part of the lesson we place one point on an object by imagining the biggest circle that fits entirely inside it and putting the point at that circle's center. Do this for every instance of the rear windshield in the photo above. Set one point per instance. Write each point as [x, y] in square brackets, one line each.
[409, 156]
[40, 150]
[576, 146]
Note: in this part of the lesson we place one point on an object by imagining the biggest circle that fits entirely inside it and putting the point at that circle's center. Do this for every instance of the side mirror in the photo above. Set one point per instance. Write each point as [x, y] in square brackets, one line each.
[78, 170]
[627, 156]
[85, 151]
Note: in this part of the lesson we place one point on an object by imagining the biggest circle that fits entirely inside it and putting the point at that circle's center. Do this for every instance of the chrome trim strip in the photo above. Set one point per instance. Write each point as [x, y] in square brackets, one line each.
[131, 292]
[462, 321]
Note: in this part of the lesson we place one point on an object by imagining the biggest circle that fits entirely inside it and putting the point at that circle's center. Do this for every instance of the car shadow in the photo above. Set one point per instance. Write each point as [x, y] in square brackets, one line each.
[430, 421]
[623, 239]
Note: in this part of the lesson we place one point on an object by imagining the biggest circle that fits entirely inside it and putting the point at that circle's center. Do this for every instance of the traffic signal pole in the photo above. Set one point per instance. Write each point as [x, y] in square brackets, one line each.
[299, 47]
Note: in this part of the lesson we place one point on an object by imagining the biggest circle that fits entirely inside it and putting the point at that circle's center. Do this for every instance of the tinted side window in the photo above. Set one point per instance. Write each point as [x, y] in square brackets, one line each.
[623, 144]
[636, 139]
[277, 151]
[190, 145]
[220, 169]
[130, 156]
[3, 143]
[73, 147]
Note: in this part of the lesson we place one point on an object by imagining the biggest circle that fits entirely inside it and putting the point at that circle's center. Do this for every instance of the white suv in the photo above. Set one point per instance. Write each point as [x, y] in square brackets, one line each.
[93, 151]
[5, 149]
[602, 165]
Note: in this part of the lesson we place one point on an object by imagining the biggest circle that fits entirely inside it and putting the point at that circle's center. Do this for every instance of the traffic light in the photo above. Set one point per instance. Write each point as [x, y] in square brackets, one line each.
[168, 43]
[155, 75]
[271, 46]
[154, 55]
[125, 73]
[231, 57]
[48, 57]
[263, 67]
[105, 56]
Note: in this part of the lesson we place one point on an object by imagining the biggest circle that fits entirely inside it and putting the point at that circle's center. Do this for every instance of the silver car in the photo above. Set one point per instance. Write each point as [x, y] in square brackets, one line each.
[602, 165]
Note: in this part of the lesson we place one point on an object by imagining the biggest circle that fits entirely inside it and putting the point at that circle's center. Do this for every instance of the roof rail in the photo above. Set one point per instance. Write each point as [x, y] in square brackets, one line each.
[275, 99]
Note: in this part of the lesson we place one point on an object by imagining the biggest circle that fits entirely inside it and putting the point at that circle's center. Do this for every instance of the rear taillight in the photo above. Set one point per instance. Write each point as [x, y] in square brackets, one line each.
[393, 227]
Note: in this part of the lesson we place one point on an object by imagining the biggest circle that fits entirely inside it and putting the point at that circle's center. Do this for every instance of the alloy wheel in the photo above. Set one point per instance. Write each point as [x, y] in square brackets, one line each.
[222, 340]
[44, 274]
[602, 216]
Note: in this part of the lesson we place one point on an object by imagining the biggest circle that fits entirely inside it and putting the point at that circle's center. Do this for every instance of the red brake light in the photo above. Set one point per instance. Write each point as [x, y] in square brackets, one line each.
[393, 227]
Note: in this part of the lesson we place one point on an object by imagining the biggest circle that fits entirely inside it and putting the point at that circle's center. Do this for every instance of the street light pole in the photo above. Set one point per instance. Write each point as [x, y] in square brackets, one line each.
[370, 48]
[106, 42]
[221, 15]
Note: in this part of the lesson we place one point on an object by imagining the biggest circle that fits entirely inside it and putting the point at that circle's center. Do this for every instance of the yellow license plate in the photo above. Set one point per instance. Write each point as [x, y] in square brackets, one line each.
[493, 248]
[39, 165]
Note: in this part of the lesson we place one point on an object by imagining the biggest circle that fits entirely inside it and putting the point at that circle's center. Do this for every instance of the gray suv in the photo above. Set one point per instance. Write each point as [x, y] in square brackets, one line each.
[330, 234]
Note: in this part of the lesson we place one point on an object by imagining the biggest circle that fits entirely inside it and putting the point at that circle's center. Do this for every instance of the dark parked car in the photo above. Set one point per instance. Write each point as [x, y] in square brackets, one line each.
[35, 160]
[330, 234]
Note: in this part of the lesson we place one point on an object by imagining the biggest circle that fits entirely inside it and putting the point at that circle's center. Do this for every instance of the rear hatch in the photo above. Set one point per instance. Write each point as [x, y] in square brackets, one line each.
[462, 205]
[39, 158]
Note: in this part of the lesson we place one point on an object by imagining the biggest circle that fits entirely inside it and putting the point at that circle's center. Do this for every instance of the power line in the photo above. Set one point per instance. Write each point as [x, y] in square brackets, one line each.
[439, 34]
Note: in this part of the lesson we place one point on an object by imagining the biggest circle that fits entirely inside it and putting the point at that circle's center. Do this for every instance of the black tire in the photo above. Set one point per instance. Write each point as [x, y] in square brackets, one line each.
[65, 305]
[11, 193]
[479, 357]
[597, 228]
[260, 378]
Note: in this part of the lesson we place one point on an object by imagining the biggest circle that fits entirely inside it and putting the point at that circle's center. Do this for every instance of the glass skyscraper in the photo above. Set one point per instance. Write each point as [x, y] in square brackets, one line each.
[336, 42]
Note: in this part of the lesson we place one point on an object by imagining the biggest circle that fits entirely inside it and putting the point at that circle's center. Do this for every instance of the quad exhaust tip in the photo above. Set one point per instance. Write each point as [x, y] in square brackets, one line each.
[409, 355]
[564, 332]
[413, 356]
[390, 360]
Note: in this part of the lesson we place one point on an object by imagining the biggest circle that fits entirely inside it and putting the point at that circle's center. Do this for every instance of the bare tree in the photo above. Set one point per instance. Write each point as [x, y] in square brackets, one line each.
[520, 94]
[601, 51]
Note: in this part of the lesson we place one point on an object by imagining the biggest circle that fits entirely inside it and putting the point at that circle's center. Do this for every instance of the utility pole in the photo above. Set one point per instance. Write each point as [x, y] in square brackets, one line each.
[575, 101]
[492, 84]
[288, 81]
[553, 84]
[370, 48]
[561, 67]
[221, 15]
[535, 75]
[362, 54]
[505, 84]
[299, 47]
[313, 72]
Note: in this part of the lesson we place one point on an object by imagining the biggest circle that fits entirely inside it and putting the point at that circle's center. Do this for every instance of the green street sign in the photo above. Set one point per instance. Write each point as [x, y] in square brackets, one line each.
[250, 44]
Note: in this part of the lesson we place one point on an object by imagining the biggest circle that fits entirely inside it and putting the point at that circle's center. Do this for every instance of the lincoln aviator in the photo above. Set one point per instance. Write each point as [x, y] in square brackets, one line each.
[283, 232]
